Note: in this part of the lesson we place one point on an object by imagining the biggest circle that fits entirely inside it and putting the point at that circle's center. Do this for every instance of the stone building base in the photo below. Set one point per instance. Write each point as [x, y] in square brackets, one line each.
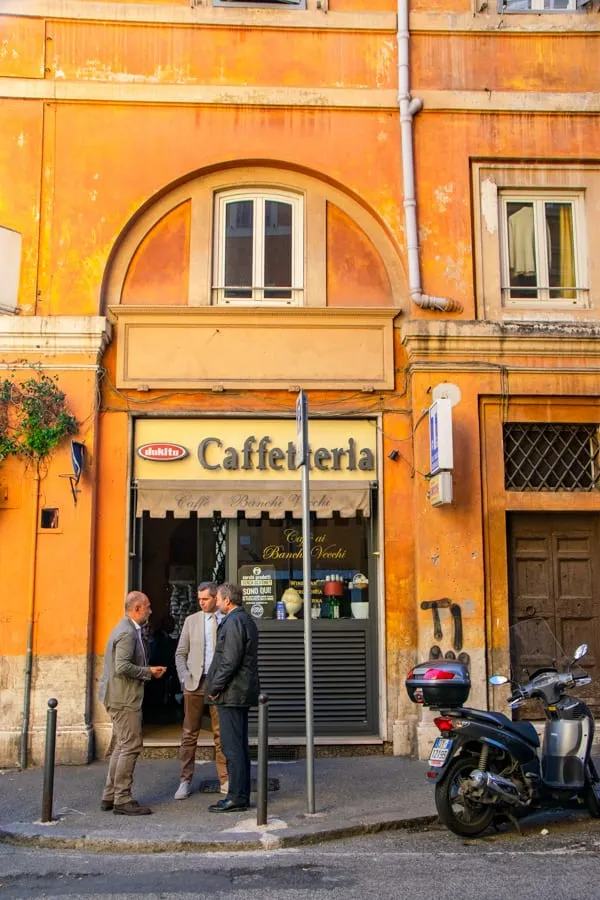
[74, 746]
[61, 677]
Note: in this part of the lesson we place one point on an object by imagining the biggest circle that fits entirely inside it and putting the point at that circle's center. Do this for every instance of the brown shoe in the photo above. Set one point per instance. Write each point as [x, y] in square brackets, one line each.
[131, 808]
[106, 805]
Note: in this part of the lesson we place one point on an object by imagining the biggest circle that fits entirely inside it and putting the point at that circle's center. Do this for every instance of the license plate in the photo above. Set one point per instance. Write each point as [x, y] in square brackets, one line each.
[439, 752]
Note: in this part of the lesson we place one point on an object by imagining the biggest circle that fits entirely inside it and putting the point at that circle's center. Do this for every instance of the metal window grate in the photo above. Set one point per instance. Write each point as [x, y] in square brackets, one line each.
[219, 530]
[551, 457]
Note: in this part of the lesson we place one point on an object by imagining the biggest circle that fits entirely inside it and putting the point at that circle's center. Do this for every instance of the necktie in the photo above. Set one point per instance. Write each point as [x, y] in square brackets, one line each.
[140, 639]
[214, 630]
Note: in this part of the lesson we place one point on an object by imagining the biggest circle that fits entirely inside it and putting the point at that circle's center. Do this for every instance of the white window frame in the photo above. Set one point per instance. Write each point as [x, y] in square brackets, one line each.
[538, 199]
[259, 199]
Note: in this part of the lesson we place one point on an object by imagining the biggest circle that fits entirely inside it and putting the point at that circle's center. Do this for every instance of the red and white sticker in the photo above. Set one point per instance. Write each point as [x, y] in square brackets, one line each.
[162, 452]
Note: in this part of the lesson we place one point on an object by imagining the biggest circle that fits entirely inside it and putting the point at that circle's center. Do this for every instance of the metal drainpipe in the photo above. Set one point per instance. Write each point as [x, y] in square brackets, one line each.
[29, 651]
[409, 107]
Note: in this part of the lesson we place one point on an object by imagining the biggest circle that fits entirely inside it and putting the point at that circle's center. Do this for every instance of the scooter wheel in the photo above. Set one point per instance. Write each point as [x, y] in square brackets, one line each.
[460, 815]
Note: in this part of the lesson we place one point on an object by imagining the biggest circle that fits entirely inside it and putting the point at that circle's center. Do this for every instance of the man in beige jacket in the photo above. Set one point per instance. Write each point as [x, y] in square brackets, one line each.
[121, 691]
[193, 657]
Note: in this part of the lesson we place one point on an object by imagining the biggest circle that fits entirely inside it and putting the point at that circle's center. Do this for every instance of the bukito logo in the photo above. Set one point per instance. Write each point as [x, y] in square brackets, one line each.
[162, 452]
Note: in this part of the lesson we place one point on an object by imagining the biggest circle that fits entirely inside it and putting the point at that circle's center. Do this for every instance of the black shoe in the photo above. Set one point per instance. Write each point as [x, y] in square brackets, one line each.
[131, 808]
[227, 806]
[106, 805]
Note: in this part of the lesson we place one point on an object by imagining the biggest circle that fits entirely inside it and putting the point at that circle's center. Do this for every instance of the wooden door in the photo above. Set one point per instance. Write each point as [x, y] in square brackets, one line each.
[554, 568]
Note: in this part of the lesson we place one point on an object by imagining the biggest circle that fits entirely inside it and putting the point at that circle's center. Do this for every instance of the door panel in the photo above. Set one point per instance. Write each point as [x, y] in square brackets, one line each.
[554, 563]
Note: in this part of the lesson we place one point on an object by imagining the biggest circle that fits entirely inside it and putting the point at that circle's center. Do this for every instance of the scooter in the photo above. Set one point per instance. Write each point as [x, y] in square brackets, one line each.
[486, 767]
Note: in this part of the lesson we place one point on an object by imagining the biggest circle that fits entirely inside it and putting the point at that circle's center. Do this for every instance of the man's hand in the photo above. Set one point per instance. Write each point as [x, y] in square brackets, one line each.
[157, 671]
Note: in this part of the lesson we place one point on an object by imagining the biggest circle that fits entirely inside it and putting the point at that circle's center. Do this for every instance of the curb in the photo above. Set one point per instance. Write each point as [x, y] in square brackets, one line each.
[274, 840]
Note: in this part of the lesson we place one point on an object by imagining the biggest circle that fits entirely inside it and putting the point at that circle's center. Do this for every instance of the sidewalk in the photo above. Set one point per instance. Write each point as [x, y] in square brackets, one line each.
[356, 795]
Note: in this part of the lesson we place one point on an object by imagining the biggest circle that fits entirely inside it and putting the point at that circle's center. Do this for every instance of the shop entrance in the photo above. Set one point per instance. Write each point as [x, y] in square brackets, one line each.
[220, 500]
[172, 556]
[555, 562]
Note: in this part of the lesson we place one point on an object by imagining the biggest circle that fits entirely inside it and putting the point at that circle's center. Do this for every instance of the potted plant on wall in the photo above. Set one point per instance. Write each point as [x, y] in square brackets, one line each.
[7, 444]
[34, 417]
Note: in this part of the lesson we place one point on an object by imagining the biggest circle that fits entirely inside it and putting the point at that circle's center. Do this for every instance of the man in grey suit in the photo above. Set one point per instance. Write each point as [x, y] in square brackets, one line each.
[193, 657]
[121, 691]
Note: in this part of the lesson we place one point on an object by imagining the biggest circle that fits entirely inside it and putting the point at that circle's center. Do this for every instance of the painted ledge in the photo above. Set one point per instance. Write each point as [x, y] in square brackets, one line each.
[425, 340]
[221, 348]
[156, 13]
[54, 334]
[197, 94]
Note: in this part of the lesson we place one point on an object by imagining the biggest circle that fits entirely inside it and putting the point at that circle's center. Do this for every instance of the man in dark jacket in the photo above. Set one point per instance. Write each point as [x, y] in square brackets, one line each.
[232, 685]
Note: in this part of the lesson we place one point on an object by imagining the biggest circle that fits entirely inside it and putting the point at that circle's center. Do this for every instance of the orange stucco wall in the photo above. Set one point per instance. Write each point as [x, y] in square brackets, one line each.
[222, 56]
[356, 275]
[478, 62]
[63, 560]
[160, 268]
[102, 172]
[110, 579]
[21, 126]
[78, 166]
[23, 47]
[444, 188]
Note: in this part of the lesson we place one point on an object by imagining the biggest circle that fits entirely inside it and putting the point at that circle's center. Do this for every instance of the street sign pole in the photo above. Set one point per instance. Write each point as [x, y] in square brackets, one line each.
[302, 460]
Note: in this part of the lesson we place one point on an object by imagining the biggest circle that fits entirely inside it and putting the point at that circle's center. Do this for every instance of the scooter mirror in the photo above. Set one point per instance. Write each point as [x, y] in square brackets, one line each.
[581, 651]
[497, 680]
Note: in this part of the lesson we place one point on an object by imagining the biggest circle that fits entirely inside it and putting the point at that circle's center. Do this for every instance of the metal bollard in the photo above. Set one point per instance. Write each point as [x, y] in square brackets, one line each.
[263, 752]
[49, 761]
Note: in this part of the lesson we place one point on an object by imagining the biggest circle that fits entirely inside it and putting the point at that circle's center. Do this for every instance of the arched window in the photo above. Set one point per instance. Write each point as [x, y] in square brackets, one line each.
[255, 236]
[259, 248]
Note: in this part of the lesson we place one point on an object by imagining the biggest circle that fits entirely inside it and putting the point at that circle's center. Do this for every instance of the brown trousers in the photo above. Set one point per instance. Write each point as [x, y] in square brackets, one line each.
[193, 710]
[126, 742]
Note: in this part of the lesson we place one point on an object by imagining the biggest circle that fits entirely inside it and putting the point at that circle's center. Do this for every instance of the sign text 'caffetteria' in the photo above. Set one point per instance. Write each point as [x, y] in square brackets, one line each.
[261, 455]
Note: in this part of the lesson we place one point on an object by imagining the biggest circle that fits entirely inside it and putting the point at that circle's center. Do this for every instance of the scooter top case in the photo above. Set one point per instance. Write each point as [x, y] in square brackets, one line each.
[439, 683]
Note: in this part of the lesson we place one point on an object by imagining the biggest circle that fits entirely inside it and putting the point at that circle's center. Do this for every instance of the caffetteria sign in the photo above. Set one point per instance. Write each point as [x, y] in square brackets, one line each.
[253, 449]
[260, 454]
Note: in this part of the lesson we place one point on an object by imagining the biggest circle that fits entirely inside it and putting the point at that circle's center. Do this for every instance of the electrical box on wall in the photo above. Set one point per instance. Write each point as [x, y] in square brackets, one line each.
[441, 453]
[440, 489]
[10, 497]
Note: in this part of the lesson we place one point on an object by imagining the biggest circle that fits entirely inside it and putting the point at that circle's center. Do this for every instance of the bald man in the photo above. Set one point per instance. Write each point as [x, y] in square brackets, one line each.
[121, 691]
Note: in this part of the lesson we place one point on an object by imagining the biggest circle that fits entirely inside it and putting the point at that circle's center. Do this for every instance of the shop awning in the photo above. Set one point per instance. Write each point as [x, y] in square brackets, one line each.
[275, 498]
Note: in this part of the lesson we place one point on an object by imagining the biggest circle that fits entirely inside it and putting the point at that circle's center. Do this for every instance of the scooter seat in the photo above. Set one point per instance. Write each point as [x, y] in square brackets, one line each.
[526, 730]
[523, 729]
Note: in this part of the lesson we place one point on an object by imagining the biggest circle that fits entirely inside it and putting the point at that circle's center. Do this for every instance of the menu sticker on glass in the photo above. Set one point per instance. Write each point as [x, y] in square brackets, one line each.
[258, 588]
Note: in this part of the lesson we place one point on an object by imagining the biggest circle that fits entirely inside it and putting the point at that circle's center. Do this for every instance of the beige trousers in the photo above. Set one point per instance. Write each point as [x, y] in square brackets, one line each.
[127, 738]
[193, 710]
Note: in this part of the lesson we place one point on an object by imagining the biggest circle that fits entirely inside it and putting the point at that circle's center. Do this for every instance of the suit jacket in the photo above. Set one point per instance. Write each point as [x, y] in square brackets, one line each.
[233, 673]
[125, 669]
[189, 655]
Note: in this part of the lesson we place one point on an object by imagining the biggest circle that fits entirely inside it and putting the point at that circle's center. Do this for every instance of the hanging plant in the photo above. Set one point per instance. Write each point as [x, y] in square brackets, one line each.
[7, 444]
[34, 417]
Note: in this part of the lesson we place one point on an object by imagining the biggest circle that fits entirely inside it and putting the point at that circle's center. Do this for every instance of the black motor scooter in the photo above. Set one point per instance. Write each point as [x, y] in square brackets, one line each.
[486, 766]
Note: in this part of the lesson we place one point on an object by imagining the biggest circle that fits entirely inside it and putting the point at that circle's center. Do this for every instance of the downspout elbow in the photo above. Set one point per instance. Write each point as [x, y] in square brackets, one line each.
[443, 304]
[415, 106]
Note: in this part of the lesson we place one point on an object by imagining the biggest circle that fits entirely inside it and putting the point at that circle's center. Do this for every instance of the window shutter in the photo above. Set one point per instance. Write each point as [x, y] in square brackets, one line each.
[341, 680]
